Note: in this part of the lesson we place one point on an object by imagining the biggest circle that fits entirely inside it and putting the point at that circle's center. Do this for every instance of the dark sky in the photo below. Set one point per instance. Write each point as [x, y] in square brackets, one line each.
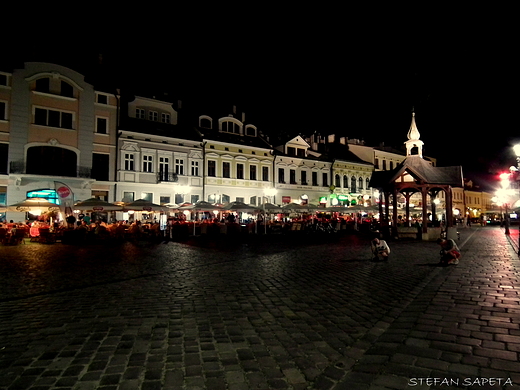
[299, 78]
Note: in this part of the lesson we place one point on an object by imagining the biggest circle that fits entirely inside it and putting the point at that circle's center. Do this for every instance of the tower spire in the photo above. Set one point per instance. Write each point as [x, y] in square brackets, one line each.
[413, 138]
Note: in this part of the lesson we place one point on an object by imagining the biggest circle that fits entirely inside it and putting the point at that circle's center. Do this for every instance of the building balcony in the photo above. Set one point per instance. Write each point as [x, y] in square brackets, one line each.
[167, 177]
[53, 169]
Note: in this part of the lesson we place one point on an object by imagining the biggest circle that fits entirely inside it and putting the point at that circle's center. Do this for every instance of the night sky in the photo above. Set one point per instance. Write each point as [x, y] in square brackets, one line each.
[298, 78]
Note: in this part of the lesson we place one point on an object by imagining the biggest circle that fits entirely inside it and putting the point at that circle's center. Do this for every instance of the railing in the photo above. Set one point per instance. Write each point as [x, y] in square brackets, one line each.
[168, 177]
[20, 167]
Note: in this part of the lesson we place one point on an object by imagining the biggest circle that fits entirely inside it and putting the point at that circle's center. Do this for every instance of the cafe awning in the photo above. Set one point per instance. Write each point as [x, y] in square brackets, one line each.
[96, 205]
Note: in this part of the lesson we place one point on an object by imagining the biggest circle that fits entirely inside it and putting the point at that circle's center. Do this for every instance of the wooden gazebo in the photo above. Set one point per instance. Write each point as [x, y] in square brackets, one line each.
[415, 175]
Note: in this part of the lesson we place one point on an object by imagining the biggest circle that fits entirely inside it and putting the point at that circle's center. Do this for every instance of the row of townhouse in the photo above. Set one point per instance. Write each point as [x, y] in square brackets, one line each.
[56, 125]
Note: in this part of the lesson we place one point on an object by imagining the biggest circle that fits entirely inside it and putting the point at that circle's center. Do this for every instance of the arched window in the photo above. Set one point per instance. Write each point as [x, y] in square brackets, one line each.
[360, 181]
[205, 123]
[345, 181]
[43, 85]
[51, 161]
[230, 127]
[353, 183]
[367, 183]
[337, 181]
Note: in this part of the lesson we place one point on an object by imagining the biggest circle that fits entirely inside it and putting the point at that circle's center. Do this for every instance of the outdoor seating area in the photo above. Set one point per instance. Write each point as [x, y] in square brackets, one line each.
[145, 221]
[13, 234]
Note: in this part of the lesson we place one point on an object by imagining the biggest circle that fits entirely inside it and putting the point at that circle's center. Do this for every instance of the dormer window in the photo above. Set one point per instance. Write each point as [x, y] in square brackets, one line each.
[230, 127]
[251, 131]
[153, 116]
[205, 122]
[139, 113]
[165, 118]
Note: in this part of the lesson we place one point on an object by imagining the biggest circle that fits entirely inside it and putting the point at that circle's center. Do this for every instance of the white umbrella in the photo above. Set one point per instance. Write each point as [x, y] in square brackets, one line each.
[239, 206]
[96, 205]
[144, 205]
[32, 204]
[201, 206]
[299, 207]
[270, 207]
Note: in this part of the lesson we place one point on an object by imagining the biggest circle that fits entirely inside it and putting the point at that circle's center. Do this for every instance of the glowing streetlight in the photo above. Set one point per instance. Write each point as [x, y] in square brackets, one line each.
[516, 149]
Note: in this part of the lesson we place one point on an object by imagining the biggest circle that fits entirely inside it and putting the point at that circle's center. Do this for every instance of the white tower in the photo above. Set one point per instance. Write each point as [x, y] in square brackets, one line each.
[413, 139]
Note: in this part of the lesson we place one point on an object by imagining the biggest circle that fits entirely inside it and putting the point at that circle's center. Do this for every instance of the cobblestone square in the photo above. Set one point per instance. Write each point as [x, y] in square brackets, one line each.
[278, 314]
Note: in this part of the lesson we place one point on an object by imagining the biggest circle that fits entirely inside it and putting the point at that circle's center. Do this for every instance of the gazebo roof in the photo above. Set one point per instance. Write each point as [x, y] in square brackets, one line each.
[421, 171]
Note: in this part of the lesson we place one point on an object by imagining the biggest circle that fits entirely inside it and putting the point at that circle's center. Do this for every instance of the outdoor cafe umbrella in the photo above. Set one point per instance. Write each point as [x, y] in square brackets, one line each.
[270, 207]
[238, 206]
[96, 205]
[299, 207]
[33, 204]
[144, 205]
[200, 206]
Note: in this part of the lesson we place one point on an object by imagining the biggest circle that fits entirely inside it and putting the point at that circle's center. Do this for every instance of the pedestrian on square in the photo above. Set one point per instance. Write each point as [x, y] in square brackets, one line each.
[380, 249]
[450, 252]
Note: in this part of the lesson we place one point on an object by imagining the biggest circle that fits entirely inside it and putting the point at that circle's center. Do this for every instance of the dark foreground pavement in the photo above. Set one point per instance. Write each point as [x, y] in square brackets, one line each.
[304, 314]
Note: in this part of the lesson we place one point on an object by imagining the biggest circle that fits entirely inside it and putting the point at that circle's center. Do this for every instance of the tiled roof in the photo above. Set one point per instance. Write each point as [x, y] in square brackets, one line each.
[421, 170]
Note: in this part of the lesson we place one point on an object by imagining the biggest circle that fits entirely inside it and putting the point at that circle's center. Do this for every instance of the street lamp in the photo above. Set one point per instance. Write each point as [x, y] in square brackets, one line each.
[516, 149]
[502, 195]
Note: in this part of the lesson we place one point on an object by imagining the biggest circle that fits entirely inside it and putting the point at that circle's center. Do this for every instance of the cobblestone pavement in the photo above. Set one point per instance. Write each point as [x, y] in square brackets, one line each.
[283, 314]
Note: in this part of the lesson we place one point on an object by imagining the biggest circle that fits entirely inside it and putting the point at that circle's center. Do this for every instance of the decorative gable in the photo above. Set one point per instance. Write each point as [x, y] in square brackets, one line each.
[296, 147]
